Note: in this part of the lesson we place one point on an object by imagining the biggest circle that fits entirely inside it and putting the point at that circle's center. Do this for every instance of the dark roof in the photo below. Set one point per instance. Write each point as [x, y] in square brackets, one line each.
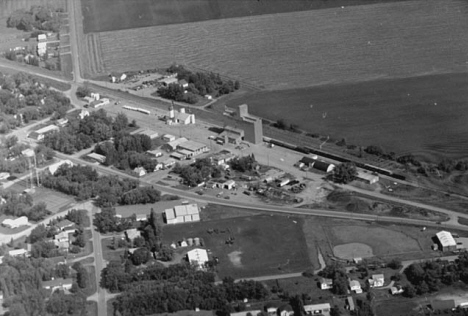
[321, 165]
[65, 223]
[443, 304]
[285, 307]
[307, 160]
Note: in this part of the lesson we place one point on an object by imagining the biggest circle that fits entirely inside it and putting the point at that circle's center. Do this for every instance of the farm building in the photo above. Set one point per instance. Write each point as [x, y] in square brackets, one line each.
[326, 284]
[58, 284]
[394, 290]
[159, 166]
[323, 166]
[168, 80]
[446, 241]
[117, 77]
[83, 114]
[155, 153]
[41, 44]
[64, 224]
[350, 303]
[4, 175]
[314, 309]
[376, 280]
[15, 223]
[41, 133]
[151, 134]
[168, 163]
[229, 184]
[168, 138]
[176, 142]
[179, 117]
[98, 103]
[141, 217]
[182, 214]
[198, 257]
[97, 157]
[231, 135]
[54, 167]
[285, 310]
[62, 122]
[247, 313]
[443, 305]
[18, 252]
[132, 233]
[183, 83]
[193, 148]
[367, 178]
[222, 157]
[355, 286]
[140, 171]
[308, 161]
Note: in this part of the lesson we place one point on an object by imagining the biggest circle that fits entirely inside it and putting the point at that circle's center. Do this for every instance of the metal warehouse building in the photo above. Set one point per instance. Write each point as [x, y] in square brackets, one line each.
[446, 241]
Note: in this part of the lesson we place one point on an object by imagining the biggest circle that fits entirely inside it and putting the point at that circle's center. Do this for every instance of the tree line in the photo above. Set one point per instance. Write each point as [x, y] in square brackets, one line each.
[201, 170]
[82, 134]
[157, 289]
[18, 204]
[44, 18]
[24, 99]
[84, 183]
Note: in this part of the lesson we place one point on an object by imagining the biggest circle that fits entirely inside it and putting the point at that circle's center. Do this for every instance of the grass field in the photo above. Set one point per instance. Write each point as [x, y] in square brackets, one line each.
[263, 245]
[366, 113]
[302, 49]
[66, 66]
[110, 15]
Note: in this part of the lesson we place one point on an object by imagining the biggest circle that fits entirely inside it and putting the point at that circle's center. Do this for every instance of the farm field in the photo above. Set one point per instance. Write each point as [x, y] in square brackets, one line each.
[302, 49]
[367, 113]
[263, 245]
[110, 15]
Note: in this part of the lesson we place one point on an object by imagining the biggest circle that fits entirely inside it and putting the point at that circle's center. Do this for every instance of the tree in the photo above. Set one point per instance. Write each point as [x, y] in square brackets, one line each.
[106, 220]
[345, 172]
[395, 264]
[83, 91]
[82, 278]
[335, 311]
[140, 256]
[166, 253]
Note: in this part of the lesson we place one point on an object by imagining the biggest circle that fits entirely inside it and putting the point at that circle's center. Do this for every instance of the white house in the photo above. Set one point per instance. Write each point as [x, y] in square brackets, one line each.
[18, 252]
[355, 286]
[132, 233]
[62, 122]
[42, 132]
[377, 280]
[159, 166]
[54, 167]
[314, 309]
[83, 114]
[15, 223]
[62, 284]
[140, 171]
[396, 290]
[198, 257]
[326, 284]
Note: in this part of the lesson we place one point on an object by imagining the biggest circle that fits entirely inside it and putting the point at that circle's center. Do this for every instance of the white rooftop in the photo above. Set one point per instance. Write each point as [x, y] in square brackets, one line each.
[446, 239]
[200, 256]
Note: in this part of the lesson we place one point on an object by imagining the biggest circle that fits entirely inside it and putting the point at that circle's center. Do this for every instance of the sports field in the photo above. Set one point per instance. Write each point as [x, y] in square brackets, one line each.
[302, 49]
[263, 245]
[110, 15]
[424, 115]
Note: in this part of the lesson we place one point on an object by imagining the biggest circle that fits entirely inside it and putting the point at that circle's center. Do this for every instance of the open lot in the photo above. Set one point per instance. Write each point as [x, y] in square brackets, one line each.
[281, 52]
[108, 15]
[8, 6]
[263, 245]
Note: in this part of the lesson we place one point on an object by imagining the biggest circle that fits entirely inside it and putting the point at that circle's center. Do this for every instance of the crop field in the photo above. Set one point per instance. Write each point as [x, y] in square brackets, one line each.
[307, 48]
[263, 245]
[111, 15]
[8, 6]
[425, 115]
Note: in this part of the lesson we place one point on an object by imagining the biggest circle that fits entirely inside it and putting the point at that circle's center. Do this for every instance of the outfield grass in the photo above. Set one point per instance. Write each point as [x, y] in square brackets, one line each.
[263, 245]
[109, 15]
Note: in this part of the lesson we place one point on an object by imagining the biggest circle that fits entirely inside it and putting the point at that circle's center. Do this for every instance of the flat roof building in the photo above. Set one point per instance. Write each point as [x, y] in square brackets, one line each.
[446, 241]
[182, 214]
[367, 177]
[198, 257]
[151, 134]
[42, 132]
[15, 223]
[168, 137]
[192, 147]
[97, 157]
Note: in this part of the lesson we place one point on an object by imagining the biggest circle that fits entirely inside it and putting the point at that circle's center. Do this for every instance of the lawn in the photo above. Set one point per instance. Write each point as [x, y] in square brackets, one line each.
[299, 285]
[398, 306]
[216, 212]
[263, 245]
[66, 65]
[91, 308]
[92, 287]
[108, 253]
[109, 15]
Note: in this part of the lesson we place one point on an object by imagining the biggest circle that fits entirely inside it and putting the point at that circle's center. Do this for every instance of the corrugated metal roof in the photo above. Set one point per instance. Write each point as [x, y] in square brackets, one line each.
[446, 239]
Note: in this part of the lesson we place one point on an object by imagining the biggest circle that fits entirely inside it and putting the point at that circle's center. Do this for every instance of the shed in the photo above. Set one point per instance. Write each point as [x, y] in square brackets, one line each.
[323, 166]
[168, 138]
[150, 133]
[367, 178]
[350, 303]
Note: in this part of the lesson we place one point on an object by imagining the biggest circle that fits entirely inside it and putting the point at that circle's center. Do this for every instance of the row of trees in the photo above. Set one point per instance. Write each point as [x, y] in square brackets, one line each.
[45, 18]
[431, 276]
[24, 99]
[178, 287]
[82, 134]
[85, 183]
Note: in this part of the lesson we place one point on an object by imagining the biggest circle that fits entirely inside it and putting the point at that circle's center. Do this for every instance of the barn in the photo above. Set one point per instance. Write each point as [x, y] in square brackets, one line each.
[323, 166]
[446, 241]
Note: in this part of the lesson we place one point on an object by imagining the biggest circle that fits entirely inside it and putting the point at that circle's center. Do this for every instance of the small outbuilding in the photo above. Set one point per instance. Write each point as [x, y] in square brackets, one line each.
[326, 284]
[198, 257]
[323, 166]
[367, 177]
